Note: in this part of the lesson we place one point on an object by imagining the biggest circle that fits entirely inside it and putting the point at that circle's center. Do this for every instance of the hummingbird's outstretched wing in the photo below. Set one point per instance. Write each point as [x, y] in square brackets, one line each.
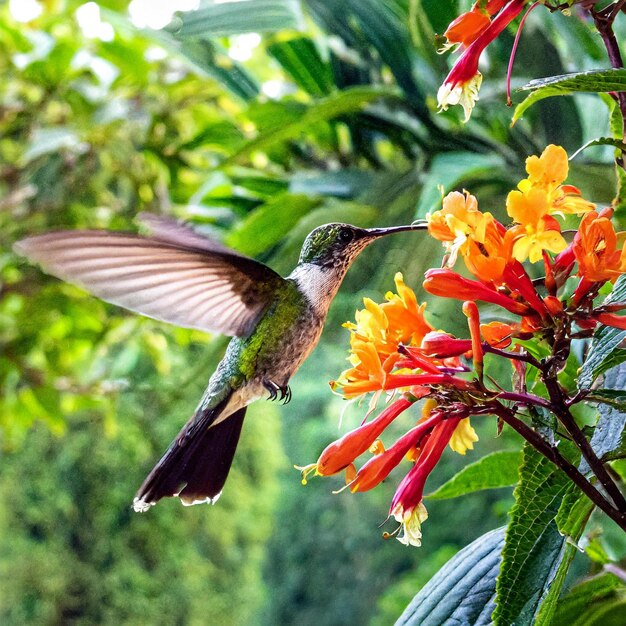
[176, 275]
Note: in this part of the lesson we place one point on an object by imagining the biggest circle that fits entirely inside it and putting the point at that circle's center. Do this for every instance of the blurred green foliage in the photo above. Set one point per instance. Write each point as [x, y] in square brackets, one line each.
[91, 133]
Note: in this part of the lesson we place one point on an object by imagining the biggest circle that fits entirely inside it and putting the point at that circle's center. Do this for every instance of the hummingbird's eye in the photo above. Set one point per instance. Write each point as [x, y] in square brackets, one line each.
[346, 235]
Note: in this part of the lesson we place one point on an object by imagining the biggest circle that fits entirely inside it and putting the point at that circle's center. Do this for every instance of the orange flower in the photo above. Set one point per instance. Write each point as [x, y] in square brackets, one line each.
[375, 337]
[368, 372]
[405, 317]
[599, 250]
[488, 258]
[498, 334]
[548, 172]
[456, 220]
[465, 28]
[477, 236]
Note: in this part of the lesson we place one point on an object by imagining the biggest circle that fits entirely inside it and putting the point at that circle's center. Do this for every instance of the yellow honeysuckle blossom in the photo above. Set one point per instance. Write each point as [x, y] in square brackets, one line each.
[463, 437]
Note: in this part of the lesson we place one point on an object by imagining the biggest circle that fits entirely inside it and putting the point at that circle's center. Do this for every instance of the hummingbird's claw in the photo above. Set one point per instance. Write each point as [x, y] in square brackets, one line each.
[285, 394]
[273, 389]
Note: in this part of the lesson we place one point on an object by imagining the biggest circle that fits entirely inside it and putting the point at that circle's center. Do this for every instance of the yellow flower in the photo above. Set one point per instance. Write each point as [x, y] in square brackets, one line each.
[534, 239]
[463, 437]
[411, 521]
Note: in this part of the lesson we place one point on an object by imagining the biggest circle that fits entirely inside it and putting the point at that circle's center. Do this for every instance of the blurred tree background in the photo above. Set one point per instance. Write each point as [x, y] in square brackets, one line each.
[257, 121]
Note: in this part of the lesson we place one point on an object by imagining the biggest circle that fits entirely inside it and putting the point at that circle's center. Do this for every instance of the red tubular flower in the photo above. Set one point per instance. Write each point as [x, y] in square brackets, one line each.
[405, 505]
[441, 345]
[339, 454]
[379, 466]
[610, 319]
[448, 284]
[463, 82]
[516, 278]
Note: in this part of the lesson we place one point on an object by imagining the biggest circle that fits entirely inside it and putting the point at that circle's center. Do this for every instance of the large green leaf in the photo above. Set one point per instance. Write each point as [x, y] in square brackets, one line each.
[498, 469]
[300, 59]
[375, 31]
[609, 430]
[335, 105]
[605, 351]
[593, 81]
[462, 591]
[600, 600]
[267, 224]
[534, 551]
[221, 19]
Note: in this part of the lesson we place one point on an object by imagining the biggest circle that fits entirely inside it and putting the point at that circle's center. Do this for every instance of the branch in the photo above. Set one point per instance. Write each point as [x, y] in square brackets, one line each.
[559, 407]
[604, 23]
[551, 453]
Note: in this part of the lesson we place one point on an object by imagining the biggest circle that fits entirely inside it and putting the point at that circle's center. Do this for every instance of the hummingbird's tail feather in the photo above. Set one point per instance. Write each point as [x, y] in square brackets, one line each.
[196, 464]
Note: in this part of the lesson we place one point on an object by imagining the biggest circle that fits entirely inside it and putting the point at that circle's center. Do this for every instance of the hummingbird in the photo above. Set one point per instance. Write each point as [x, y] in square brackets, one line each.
[180, 276]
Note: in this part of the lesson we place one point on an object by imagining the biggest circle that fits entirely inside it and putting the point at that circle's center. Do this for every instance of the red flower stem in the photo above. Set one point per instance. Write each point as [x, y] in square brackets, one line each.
[560, 409]
[408, 380]
[509, 70]
[514, 356]
[551, 452]
[525, 398]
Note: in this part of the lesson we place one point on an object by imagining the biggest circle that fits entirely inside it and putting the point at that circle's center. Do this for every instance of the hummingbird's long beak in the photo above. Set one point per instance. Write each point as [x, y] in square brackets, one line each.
[380, 232]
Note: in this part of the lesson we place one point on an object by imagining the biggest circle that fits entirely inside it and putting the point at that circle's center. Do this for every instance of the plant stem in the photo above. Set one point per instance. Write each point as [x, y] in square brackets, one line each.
[525, 398]
[559, 407]
[515, 356]
[551, 453]
[604, 23]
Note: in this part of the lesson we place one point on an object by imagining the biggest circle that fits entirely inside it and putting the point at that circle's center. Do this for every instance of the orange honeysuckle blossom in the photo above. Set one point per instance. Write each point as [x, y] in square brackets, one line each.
[548, 172]
[375, 337]
[477, 236]
[599, 250]
[406, 321]
[342, 453]
[368, 373]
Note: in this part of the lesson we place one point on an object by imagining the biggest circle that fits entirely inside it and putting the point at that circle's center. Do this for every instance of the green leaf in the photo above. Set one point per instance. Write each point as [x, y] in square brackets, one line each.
[590, 602]
[613, 397]
[593, 81]
[222, 19]
[269, 223]
[608, 432]
[447, 170]
[335, 105]
[605, 350]
[601, 141]
[462, 591]
[574, 512]
[498, 469]
[534, 548]
[300, 59]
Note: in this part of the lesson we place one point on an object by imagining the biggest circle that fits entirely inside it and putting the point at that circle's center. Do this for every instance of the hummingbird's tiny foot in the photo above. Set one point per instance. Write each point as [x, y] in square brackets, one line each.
[285, 394]
[273, 389]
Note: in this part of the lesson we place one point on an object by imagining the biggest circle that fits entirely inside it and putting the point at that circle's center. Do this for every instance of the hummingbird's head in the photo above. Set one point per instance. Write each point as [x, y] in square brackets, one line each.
[336, 245]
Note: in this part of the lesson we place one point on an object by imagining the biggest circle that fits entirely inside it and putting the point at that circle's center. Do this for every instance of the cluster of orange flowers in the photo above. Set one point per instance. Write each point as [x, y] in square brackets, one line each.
[394, 348]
